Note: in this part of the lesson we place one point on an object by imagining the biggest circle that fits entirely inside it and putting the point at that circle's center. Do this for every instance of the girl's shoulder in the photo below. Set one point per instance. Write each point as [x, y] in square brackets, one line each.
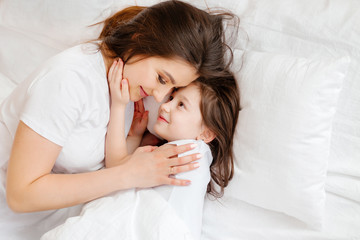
[201, 148]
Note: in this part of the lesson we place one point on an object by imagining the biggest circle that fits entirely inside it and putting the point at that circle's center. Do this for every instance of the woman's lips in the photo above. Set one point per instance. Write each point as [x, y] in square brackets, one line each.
[143, 93]
[162, 119]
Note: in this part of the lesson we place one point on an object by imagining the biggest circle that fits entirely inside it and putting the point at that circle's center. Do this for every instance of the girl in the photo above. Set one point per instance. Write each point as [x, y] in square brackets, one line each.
[54, 123]
[205, 113]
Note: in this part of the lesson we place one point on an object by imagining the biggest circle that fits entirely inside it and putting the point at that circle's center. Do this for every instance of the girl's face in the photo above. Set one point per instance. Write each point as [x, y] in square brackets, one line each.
[180, 117]
[156, 76]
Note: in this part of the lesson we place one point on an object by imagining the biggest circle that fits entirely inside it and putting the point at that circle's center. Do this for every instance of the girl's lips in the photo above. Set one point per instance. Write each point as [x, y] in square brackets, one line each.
[143, 93]
[162, 119]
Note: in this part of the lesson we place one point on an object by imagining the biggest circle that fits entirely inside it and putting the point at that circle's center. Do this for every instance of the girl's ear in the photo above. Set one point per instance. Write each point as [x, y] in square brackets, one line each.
[207, 135]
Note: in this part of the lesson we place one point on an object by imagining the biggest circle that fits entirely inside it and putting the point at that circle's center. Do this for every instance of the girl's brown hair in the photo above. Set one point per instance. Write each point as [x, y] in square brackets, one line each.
[169, 29]
[220, 106]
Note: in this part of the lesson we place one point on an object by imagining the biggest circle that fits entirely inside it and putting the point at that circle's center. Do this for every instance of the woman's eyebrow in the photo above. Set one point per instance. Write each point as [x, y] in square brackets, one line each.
[170, 76]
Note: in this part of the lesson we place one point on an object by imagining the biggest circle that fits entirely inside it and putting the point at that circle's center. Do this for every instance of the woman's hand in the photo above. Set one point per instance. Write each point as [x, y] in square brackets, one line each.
[152, 166]
[140, 120]
[119, 87]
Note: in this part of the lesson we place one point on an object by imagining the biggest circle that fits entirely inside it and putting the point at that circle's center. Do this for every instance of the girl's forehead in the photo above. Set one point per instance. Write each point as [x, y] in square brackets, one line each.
[191, 88]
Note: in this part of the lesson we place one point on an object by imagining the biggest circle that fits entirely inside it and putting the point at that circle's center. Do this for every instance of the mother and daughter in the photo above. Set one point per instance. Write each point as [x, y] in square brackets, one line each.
[55, 124]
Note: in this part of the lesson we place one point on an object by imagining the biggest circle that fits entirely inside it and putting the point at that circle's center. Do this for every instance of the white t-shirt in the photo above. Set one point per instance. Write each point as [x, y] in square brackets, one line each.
[66, 101]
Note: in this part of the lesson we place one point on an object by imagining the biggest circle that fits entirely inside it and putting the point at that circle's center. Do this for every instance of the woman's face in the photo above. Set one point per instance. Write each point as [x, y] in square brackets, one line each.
[156, 76]
[180, 117]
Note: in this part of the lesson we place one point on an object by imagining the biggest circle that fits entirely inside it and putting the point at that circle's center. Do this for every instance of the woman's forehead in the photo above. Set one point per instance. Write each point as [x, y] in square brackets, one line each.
[178, 70]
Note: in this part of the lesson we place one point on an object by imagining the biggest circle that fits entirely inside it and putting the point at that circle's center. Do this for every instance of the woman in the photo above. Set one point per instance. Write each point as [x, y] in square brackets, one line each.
[204, 112]
[56, 120]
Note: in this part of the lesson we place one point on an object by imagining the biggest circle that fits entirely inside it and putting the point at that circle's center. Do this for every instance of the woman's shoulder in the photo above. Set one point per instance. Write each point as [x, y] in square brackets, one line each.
[78, 66]
[78, 58]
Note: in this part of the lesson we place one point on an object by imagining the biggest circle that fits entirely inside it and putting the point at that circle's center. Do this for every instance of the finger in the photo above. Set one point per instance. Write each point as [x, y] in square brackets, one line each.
[118, 71]
[111, 70]
[136, 106]
[125, 89]
[141, 106]
[183, 168]
[177, 182]
[147, 148]
[114, 83]
[144, 119]
[171, 150]
[145, 116]
[179, 161]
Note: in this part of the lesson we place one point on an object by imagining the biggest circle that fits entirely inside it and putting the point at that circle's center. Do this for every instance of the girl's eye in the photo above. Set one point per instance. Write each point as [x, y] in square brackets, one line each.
[161, 80]
[181, 104]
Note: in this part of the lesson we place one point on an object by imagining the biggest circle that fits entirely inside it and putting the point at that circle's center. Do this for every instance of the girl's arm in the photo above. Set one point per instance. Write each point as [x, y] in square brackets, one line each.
[32, 187]
[115, 147]
[138, 126]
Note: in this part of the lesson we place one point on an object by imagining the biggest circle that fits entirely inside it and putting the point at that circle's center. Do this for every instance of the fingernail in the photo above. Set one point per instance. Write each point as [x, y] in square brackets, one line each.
[198, 156]
[196, 165]
[194, 145]
[124, 81]
[187, 183]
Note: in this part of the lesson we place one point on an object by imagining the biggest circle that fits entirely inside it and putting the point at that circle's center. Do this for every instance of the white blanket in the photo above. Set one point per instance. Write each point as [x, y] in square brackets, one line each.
[131, 214]
[165, 212]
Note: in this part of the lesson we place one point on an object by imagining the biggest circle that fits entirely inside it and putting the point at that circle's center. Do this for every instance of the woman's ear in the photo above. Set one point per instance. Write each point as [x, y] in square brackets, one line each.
[207, 135]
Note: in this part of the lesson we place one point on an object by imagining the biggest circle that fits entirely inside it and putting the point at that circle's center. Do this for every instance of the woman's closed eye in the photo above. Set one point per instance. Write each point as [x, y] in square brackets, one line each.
[170, 98]
[161, 80]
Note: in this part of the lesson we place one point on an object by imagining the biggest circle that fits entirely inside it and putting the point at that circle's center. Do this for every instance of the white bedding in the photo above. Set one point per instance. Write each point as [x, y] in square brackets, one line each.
[163, 212]
[6, 86]
[127, 215]
[302, 28]
[233, 219]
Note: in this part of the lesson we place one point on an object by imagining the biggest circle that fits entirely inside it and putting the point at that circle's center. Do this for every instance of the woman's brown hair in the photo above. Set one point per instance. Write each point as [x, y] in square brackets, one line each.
[220, 106]
[169, 29]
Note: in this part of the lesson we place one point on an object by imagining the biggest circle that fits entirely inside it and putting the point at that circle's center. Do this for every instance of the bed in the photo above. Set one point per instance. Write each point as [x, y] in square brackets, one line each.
[297, 146]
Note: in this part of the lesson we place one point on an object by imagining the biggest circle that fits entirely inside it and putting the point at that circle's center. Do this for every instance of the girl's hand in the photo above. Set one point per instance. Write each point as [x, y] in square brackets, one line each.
[140, 120]
[119, 87]
[149, 139]
[153, 166]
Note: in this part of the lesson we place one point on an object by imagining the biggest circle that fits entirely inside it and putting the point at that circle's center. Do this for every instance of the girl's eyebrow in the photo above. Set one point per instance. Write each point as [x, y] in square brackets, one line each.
[185, 99]
[171, 77]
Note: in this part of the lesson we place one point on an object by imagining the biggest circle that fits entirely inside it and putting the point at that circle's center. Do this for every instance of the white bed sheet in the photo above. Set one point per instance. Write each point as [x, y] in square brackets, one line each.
[231, 219]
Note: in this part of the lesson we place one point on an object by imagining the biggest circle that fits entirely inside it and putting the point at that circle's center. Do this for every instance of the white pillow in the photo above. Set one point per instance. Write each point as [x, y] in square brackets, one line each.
[283, 133]
[62, 23]
[22, 54]
[300, 28]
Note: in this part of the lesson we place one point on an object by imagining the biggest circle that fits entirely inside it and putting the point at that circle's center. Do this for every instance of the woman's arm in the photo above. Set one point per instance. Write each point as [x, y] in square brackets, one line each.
[115, 147]
[32, 187]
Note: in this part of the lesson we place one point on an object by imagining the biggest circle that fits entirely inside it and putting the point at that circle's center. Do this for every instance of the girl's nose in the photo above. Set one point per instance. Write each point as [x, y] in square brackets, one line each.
[165, 107]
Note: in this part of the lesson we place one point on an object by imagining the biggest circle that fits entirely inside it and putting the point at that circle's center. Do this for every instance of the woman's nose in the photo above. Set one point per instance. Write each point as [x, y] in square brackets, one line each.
[160, 94]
